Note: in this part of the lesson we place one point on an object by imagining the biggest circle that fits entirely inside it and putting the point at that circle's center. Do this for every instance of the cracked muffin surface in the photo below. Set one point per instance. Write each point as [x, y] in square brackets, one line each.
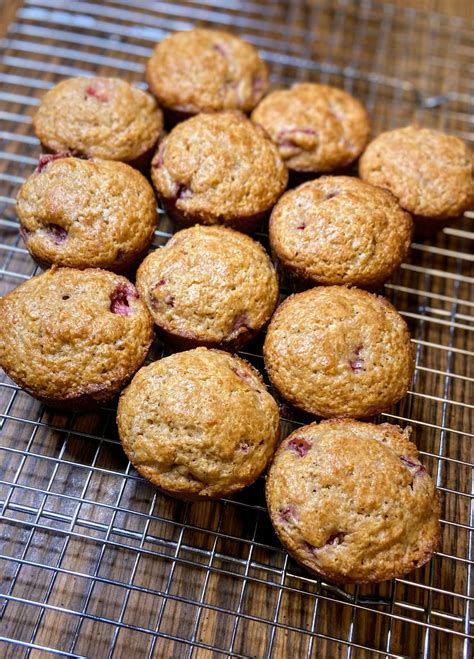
[340, 230]
[102, 117]
[86, 213]
[72, 338]
[339, 352]
[316, 128]
[198, 424]
[209, 285]
[351, 501]
[429, 172]
[218, 169]
[206, 71]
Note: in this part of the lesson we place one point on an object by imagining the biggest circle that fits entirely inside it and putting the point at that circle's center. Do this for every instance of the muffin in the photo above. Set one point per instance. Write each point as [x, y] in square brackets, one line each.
[352, 503]
[209, 286]
[100, 117]
[430, 173]
[218, 169]
[86, 213]
[205, 71]
[198, 424]
[316, 128]
[73, 338]
[339, 230]
[339, 352]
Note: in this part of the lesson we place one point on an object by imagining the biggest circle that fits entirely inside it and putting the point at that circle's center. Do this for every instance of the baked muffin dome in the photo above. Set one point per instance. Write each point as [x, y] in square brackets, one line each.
[351, 502]
[340, 230]
[218, 169]
[198, 424]
[316, 128]
[210, 286]
[339, 352]
[86, 213]
[430, 173]
[206, 71]
[73, 338]
[101, 117]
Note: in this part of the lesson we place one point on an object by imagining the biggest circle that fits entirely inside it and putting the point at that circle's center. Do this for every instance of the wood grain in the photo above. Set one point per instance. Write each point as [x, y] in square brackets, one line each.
[8, 9]
[462, 8]
[113, 561]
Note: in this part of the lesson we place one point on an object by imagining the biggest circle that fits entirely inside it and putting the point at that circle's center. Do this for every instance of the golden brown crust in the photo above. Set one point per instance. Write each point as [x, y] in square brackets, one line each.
[86, 213]
[340, 230]
[198, 424]
[316, 128]
[351, 502]
[206, 71]
[339, 352]
[430, 173]
[218, 169]
[74, 337]
[209, 286]
[101, 117]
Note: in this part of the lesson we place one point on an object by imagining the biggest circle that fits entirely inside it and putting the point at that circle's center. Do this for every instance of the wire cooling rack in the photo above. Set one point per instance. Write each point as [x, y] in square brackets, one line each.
[94, 562]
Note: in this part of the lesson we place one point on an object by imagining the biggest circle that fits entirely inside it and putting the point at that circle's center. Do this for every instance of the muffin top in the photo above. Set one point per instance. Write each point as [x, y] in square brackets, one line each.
[102, 117]
[218, 167]
[339, 230]
[430, 173]
[67, 333]
[198, 423]
[206, 71]
[84, 213]
[352, 502]
[212, 284]
[339, 352]
[316, 128]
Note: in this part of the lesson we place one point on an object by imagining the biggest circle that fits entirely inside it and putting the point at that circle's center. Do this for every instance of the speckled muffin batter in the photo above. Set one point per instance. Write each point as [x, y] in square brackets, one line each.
[102, 117]
[209, 286]
[351, 501]
[430, 173]
[73, 338]
[86, 213]
[206, 71]
[198, 424]
[316, 128]
[339, 352]
[340, 230]
[218, 169]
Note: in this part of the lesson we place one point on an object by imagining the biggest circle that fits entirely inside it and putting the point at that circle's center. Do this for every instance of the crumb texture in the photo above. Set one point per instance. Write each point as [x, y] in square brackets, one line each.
[65, 335]
[357, 506]
[340, 230]
[206, 71]
[210, 283]
[339, 352]
[218, 168]
[87, 213]
[102, 117]
[317, 128]
[430, 173]
[199, 423]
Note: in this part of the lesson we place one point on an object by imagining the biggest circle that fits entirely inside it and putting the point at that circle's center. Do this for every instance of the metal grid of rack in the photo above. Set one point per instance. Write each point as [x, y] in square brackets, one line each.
[94, 562]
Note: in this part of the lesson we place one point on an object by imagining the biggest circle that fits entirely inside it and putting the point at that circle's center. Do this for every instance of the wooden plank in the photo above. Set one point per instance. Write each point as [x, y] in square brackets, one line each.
[112, 561]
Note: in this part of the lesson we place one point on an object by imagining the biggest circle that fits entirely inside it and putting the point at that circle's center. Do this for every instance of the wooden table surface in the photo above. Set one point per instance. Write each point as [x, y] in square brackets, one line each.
[463, 8]
[214, 575]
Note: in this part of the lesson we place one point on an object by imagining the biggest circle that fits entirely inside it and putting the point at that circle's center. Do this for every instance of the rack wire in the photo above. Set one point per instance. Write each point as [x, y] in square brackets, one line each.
[95, 562]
